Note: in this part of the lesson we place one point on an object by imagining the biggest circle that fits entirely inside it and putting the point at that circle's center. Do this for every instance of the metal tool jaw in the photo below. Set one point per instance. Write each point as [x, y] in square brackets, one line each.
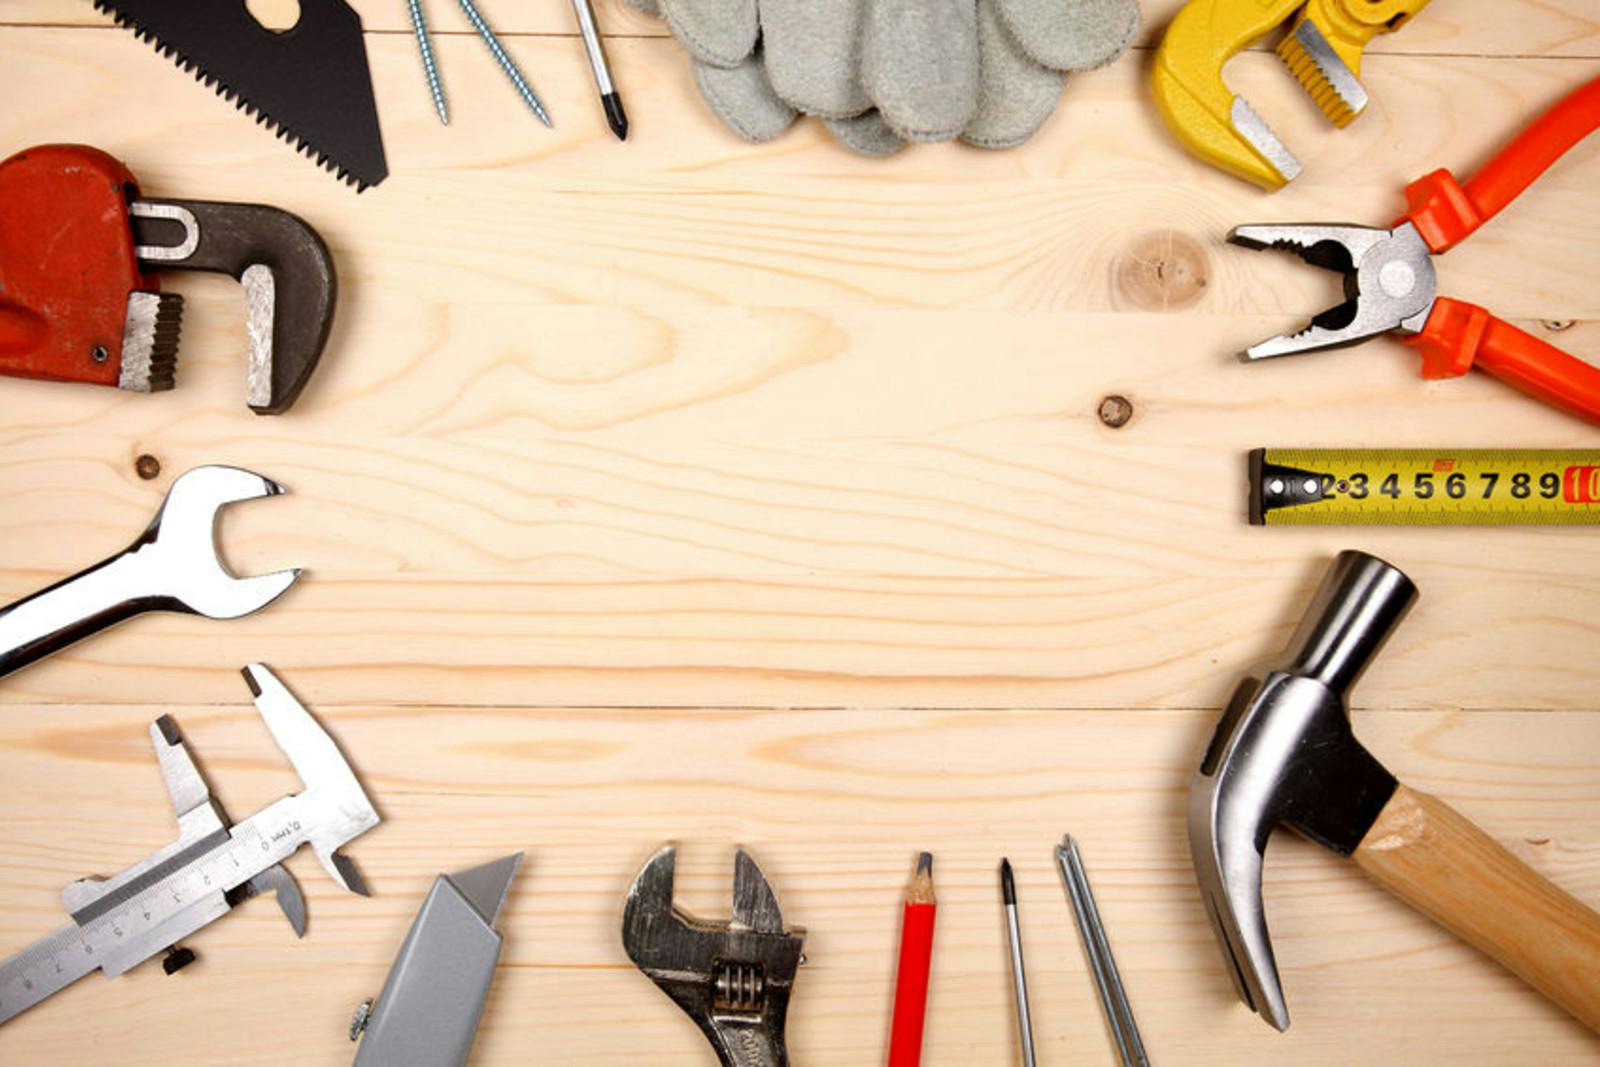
[733, 978]
[1389, 282]
[173, 565]
[427, 1014]
[80, 295]
[214, 864]
[1323, 51]
[1284, 753]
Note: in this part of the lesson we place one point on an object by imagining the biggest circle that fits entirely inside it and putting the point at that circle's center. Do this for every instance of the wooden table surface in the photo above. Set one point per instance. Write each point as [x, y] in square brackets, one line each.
[684, 489]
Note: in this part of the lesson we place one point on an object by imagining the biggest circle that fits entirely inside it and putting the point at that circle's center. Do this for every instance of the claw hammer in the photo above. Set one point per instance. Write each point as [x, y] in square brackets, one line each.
[1285, 753]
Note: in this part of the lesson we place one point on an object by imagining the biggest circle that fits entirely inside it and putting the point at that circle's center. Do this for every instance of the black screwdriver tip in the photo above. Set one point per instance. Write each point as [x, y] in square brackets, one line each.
[616, 118]
[1008, 887]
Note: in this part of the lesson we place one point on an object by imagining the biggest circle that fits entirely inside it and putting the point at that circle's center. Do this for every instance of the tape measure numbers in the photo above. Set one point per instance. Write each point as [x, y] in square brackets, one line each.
[1424, 487]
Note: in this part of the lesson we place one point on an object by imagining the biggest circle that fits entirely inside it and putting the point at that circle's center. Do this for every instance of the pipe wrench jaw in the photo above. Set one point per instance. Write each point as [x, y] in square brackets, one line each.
[1221, 128]
[75, 302]
[1324, 48]
[284, 267]
[733, 978]
[1388, 277]
[1323, 51]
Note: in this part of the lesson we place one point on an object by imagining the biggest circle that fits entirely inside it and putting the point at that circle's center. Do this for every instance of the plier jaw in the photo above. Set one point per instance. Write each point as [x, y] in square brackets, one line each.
[1389, 282]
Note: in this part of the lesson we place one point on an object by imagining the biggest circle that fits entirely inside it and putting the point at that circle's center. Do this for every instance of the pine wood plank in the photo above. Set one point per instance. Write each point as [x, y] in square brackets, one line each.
[684, 428]
[833, 802]
[783, 426]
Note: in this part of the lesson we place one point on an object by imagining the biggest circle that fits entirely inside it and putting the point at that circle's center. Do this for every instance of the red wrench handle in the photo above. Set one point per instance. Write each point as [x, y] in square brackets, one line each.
[1459, 334]
[1445, 211]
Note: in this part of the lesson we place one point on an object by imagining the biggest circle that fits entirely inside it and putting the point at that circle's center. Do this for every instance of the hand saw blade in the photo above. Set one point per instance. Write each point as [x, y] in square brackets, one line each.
[310, 83]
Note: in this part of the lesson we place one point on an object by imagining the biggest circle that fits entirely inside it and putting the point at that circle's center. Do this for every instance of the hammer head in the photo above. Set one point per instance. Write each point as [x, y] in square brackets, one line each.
[1284, 753]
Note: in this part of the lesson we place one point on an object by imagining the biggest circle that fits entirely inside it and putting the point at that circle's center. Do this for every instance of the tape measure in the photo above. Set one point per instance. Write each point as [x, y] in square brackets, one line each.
[1424, 487]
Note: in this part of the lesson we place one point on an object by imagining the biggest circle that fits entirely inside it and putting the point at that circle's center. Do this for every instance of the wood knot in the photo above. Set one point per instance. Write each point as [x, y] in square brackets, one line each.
[147, 467]
[1115, 411]
[1161, 271]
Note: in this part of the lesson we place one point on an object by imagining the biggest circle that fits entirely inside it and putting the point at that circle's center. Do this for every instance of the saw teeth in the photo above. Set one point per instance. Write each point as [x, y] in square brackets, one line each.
[227, 92]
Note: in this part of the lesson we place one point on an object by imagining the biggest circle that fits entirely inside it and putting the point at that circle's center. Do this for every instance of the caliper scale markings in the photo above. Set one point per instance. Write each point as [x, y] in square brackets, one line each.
[124, 920]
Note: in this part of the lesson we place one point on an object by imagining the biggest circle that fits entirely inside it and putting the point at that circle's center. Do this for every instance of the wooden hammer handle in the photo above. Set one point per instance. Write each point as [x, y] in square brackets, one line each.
[1421, 850]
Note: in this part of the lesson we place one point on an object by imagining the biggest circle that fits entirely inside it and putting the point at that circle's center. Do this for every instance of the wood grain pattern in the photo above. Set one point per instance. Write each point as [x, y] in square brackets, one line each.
[687, 489]
[1427, 854]
[832, 802]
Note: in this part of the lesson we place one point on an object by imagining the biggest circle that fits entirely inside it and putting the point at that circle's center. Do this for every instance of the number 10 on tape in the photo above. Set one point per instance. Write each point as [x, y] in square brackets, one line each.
[1424, 487]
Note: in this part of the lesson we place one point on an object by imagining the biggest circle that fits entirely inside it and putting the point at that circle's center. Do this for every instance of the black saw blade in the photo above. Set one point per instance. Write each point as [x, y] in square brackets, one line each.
[309, 83]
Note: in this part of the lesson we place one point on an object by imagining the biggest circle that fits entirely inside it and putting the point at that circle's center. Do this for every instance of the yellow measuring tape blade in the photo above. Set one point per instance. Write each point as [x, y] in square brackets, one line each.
[1424, 487]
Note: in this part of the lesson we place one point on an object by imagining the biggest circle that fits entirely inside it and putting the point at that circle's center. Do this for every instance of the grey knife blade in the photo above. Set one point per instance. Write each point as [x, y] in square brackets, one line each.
[427, 1014]
[309, 83]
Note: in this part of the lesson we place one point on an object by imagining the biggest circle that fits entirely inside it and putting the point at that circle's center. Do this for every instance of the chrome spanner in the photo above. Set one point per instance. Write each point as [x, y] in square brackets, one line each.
[172, 566]
[732, 978]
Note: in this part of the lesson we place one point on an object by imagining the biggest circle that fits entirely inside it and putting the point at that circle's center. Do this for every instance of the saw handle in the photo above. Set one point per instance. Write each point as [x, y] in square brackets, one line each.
[1459, 335]
[1424, 852]
[1445, 211]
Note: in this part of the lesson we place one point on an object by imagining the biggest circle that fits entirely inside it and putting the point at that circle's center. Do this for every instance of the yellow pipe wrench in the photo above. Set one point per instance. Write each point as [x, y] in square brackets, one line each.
[1323, 50]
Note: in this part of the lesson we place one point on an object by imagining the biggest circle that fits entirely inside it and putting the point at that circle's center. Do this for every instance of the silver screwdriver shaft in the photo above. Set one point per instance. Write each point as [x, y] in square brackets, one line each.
[1019, 978]
[1113, 998]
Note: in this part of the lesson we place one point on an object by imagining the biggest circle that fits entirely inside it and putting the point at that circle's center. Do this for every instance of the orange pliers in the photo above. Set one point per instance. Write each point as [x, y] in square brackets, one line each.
[1389, 276]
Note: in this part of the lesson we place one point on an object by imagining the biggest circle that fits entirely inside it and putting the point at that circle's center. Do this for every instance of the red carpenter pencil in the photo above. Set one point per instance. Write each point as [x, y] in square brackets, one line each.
[916, 955]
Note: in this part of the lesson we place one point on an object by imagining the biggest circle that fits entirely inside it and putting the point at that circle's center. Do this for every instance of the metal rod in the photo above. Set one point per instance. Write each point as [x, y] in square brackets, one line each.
[1103, 966]
[1019, 979]
[595, 48]
[507, 64]
[430, 67]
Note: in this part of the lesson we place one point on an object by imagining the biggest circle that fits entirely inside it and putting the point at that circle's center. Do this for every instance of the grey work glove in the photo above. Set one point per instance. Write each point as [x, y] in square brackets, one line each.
[882, 72]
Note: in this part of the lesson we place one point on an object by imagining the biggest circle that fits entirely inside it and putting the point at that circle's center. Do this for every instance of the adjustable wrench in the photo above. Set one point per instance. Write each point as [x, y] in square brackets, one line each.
[732, 978]
[172, 566]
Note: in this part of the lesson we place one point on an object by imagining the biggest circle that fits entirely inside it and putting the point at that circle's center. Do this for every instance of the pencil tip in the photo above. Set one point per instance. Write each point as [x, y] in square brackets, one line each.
[616, 117]
[1008, 886]
[925, 863]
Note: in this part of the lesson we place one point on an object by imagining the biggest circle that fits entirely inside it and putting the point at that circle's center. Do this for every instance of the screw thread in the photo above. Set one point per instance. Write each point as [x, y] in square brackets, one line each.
[506, 63]
[429, 66]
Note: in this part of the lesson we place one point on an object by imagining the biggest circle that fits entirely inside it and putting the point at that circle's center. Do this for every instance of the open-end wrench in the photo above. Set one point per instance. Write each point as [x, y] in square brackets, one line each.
[732, 978]
[172, 566]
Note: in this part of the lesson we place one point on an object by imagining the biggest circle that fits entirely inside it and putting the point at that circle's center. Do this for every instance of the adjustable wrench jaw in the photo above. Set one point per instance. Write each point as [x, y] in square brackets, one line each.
[732, 978]
[1389, 282]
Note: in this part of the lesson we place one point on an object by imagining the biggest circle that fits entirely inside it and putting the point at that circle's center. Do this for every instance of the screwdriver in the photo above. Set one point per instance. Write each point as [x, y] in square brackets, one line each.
[1019, 979]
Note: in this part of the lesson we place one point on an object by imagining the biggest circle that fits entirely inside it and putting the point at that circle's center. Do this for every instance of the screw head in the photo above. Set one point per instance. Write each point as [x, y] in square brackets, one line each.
[99, 353]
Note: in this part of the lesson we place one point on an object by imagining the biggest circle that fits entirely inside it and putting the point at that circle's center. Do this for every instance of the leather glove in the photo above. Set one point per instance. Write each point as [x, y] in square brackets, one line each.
[882, 72]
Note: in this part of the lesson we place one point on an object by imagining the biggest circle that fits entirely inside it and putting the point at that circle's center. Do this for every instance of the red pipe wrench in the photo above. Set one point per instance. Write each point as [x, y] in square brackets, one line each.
[79, 296]
[1389, 276]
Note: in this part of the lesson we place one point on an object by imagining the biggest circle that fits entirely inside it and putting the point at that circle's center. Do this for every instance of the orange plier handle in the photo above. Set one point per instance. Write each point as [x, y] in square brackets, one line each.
[1445, 212]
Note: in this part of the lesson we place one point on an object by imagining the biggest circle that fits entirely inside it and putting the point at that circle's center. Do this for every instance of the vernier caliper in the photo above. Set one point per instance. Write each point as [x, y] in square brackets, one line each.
[122, 921]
